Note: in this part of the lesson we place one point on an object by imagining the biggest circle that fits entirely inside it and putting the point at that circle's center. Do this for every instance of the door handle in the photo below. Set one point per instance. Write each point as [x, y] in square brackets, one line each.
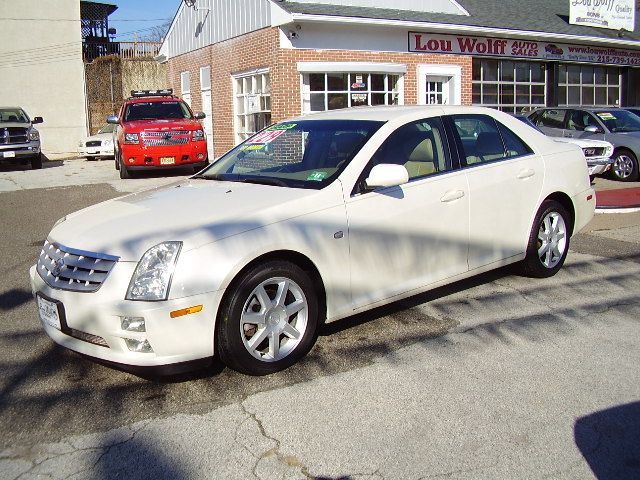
[452, 195]
[526, 173]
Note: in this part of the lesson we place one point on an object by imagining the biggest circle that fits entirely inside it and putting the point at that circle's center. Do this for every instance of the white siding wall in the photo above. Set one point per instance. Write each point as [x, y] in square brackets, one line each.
[215, 21]
[41, 68]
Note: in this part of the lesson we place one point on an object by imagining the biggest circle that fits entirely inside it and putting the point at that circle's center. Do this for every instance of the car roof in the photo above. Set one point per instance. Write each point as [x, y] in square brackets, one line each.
[394, 112]
[588, 109]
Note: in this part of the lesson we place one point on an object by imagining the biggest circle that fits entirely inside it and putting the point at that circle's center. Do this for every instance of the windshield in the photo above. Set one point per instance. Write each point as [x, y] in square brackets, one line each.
[156, 111]
[108, 128]
[13, 115]
[619, 120]
[302, 154]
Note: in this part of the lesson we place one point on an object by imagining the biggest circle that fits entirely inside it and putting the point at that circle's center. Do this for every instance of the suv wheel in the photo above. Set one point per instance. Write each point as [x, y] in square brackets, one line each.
[36, 162]
[124, 172]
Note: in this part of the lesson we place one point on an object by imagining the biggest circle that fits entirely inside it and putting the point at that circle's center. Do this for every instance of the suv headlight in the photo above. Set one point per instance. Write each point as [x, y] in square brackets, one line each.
[107, 142]
[34, 135]
[131, 138]
[152, 278]
[197, 135]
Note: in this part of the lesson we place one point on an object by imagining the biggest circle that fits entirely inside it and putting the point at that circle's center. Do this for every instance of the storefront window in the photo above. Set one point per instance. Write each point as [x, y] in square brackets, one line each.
[587, 85]
[511, 86]
[330, 91]
[252, 104]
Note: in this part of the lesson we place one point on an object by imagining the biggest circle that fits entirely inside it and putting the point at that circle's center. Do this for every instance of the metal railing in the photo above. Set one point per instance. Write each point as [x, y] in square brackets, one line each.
[125, 50]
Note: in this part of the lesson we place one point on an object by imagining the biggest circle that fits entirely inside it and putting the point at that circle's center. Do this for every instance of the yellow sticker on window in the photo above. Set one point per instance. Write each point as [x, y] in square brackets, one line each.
[606, 115]
[249, 148]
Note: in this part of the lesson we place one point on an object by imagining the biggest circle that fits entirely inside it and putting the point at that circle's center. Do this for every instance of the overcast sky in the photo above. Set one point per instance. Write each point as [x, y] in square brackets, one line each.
[139, 17]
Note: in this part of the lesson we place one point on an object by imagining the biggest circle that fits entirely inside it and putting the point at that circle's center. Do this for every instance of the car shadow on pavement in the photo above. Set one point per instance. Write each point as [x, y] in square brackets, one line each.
[609, 440]
[14, 298]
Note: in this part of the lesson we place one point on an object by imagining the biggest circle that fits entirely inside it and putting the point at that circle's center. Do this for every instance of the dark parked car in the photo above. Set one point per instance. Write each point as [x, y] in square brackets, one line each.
[19, 140]
[618, 126]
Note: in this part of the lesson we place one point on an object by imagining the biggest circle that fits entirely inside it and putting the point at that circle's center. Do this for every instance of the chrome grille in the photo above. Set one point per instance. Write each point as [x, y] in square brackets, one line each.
[68, 269]
[94, 143]
[12, 135]
[594, 151]
[162, 139]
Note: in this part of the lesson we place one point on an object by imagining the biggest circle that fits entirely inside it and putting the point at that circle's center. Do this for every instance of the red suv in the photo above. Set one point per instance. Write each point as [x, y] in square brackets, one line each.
[155, 129]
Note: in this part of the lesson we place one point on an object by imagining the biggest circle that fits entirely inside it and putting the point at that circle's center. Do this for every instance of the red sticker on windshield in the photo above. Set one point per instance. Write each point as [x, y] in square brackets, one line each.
[267, 136]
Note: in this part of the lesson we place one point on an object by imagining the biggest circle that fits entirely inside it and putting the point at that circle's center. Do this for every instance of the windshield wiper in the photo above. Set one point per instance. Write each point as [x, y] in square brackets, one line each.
[204, 176]
[266, 181]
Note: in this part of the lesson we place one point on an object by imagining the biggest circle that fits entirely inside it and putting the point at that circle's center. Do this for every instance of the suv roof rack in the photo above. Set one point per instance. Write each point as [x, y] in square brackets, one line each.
[166, 92]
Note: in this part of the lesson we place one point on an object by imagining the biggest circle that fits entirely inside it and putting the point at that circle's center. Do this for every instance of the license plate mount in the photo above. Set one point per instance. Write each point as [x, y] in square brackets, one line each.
[49, 312]
[9, 154]
[167, 160]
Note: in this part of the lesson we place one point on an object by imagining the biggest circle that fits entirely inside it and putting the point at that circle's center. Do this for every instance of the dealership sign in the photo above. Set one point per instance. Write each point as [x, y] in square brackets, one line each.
[613, 14]
[509, 48]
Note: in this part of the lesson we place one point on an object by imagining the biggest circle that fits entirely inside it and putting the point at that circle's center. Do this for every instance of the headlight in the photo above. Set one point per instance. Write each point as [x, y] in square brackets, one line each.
[80, 144]
[107, 143]
[152, 277]
[198, 135]
[34, 135]
[131, 138]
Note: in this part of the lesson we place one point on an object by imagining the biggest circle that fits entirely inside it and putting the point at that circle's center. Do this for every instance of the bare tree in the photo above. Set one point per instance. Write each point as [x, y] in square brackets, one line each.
[157, 32]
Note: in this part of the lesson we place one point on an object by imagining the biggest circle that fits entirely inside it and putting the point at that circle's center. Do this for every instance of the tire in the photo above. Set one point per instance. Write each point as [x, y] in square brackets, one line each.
[625, 166]
[550, 232]
[124, 173]
[251, 313]
[116, 160]
[200, 166]
[36, 162]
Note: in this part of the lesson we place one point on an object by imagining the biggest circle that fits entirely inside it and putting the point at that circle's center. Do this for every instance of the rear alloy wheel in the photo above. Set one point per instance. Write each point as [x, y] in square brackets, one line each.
[269, 321]
[548, 241]
[625, 166]
[36, 162]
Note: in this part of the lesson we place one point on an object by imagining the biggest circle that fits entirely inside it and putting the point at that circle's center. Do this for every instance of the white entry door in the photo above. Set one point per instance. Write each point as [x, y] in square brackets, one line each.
[437, 90]
[207, 108]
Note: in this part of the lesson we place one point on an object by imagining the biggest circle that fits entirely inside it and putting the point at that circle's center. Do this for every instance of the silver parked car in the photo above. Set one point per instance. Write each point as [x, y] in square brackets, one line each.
[615, 125]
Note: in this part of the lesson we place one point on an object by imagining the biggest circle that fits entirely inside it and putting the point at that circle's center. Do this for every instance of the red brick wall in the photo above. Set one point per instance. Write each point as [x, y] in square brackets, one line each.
[260, 50]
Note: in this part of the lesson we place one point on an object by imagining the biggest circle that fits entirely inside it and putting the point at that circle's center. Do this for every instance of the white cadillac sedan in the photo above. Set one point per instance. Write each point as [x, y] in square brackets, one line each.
[309, 221]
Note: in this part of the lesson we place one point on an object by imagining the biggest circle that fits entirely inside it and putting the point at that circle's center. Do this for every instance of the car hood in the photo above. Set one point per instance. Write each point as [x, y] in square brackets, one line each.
[582, 142]
[162, 125]
[14, 124]
[194, 211]
[98, 136]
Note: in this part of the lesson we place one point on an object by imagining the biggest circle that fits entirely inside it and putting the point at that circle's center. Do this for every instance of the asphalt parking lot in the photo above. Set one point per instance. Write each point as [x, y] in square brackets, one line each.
[498, 376]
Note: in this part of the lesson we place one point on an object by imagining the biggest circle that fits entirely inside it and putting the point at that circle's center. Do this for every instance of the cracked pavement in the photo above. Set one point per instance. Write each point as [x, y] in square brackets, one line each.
[495, 377]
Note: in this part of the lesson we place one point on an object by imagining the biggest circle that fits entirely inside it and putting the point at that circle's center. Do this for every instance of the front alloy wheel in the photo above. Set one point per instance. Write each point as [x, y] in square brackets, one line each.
[625, 167]
[268, 319]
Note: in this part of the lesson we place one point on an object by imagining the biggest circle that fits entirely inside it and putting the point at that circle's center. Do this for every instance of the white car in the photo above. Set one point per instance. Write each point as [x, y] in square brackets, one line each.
[597, 153]
[99, 145]
[309, 221]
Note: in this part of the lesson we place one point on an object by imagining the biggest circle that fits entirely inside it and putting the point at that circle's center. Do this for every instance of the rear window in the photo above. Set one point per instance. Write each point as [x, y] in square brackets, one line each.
[156, 111]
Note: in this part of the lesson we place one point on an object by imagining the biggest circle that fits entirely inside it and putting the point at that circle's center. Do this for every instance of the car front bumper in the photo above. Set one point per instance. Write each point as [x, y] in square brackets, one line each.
[94, 152]
[91, 322]
[19, 151]
[599, 165]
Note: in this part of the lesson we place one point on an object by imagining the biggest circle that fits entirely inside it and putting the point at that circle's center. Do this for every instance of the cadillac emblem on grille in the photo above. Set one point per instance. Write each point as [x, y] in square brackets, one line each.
[57, 267]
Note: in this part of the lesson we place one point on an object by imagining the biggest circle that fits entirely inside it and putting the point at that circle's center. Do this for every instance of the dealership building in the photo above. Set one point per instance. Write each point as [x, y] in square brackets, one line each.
[248, 63]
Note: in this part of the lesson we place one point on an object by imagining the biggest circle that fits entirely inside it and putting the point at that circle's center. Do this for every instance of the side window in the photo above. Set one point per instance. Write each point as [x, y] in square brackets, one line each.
[515, 146]
[579, 120]
[480, 138]
[420, 146]
[551, 119]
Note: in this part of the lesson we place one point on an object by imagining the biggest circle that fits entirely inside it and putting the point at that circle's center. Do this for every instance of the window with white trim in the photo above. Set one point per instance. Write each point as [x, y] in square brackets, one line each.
[588, 85]
[511, 86]
[252, 103]
[333, 90]
[185, 87]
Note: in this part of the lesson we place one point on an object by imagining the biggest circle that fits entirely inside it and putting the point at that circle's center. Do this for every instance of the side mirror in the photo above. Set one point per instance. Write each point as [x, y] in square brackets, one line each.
[113, 119]
[37, 120]
[592, 129]
[199, 115]
[387, 175]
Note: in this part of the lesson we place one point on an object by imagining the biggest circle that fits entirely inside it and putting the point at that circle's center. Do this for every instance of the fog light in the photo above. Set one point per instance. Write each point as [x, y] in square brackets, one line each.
[132, 324]
[132, 160]
[200, 156]
[139, 346]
